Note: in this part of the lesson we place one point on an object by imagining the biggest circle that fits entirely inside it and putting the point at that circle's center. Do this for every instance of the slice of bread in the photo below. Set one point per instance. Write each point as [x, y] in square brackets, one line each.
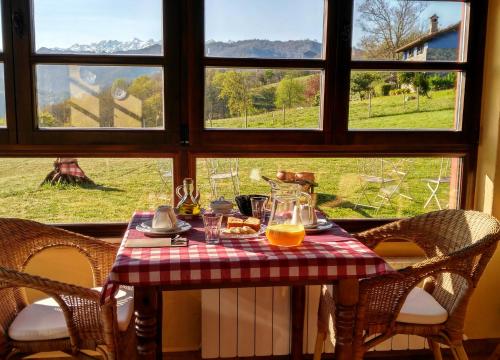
[234, 222]
[252, 222]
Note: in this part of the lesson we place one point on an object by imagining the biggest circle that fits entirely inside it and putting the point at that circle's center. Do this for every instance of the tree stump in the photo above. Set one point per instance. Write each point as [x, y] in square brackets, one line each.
[67, 171]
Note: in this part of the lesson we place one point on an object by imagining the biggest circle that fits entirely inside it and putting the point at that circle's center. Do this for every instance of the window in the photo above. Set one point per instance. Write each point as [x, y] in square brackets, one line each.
[292, 84]
[105, 66]
[385, 30]
[346, 187]
[114, 189]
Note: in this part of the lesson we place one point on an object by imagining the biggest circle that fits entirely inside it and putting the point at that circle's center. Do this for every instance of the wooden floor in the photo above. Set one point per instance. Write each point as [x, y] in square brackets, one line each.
[197, 356]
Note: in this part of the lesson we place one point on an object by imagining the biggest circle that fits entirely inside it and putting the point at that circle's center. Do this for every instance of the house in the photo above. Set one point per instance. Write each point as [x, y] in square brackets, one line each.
[437, 44]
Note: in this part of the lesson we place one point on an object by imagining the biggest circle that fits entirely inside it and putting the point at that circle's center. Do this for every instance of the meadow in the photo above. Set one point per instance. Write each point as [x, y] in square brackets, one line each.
[388, 112]
[125, 185]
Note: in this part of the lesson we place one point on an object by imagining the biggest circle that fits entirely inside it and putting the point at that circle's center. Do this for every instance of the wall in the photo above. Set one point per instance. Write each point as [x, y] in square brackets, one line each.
[483, 318]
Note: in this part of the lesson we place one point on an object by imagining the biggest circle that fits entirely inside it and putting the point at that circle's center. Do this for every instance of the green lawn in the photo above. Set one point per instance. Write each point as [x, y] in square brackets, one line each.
[339, 184]
[435, 111]
[124, 185]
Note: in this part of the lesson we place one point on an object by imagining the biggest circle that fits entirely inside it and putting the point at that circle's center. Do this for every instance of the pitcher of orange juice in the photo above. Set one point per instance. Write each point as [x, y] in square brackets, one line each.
[291, 210]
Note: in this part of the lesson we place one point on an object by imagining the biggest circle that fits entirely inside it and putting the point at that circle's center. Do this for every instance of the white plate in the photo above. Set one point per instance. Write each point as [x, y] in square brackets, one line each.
[261, 232]
[322, 225]
[146, 228]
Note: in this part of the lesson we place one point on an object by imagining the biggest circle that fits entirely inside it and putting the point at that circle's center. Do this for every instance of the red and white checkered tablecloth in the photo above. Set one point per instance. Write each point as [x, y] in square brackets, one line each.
[322, 257]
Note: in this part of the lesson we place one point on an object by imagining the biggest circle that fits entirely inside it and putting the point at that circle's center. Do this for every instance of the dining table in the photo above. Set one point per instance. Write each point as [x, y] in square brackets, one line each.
[330, 257]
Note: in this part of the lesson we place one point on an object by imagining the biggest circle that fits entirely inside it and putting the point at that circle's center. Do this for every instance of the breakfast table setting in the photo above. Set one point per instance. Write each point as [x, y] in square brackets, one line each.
[276, 240]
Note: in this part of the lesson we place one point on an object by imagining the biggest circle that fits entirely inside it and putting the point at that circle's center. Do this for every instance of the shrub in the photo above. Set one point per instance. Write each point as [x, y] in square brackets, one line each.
[439, 82]
[401, 91]
[385, 89]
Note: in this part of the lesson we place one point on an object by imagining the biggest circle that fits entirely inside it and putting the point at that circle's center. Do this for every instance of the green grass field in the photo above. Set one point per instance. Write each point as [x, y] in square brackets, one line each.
[124, 185]
[435, 112]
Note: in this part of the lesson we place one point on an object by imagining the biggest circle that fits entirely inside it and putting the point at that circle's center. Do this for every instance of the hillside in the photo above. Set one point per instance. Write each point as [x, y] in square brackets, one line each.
[292, 49]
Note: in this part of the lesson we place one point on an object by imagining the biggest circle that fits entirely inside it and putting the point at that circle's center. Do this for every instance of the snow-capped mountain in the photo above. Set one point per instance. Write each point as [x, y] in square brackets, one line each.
[135, 46]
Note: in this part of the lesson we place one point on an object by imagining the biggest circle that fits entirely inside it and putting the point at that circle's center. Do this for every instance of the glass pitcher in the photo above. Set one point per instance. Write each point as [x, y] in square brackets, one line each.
[291, 210]
[189, 203]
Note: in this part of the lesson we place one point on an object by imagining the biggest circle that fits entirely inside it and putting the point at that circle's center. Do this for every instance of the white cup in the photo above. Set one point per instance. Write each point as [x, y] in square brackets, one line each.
[164, 218]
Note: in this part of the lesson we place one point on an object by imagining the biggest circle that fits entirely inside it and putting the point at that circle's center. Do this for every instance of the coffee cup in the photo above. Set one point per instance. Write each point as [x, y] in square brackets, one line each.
[221, 206]
[164, 218]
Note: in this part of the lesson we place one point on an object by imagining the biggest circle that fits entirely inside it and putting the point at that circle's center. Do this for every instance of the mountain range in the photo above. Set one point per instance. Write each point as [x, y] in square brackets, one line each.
[256, 48]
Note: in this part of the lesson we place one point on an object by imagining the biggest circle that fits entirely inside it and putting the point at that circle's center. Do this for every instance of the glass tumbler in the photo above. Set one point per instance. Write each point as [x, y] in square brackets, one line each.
[212, 223]
[259, 207]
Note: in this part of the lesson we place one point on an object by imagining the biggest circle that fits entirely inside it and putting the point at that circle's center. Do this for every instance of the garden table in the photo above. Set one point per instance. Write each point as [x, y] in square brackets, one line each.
[333, 256]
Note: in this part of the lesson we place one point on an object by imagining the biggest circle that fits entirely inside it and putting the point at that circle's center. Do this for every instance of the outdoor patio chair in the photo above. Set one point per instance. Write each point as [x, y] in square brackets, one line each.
[399, 171]
[223, 170]
[165, 171]
[72, 317]
[458, 245]
[373, 176]
[433, 184]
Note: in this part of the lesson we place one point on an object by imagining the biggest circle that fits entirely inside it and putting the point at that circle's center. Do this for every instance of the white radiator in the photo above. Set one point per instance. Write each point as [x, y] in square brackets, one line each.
[256, 322]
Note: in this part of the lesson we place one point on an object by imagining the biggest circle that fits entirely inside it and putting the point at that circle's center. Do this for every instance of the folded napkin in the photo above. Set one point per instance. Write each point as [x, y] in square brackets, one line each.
[155, 242]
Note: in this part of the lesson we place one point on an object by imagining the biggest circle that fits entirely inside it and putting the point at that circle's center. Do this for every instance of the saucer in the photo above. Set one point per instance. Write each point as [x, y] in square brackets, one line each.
[146, 228]
[321, 226]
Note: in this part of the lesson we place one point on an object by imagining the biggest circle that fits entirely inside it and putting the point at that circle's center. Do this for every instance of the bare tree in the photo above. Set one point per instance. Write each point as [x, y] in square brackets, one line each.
[388, 25]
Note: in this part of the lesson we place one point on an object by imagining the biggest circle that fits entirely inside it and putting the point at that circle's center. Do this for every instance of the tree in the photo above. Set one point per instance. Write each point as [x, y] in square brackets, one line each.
[312, 88]
[388, 25]
[418, 81]
[362, 84]
[264, 99]
[235, 88]
[289, 93]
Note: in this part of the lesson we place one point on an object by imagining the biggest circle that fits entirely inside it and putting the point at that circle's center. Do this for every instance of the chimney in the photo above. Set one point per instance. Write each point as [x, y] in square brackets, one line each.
[433, 24]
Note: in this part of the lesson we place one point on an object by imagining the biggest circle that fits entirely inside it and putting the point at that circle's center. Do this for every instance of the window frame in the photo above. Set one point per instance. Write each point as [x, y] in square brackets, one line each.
[185, 138]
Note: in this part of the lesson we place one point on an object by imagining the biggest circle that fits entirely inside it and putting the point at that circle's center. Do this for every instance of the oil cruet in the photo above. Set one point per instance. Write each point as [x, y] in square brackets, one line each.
[291, 210]
[189, 203]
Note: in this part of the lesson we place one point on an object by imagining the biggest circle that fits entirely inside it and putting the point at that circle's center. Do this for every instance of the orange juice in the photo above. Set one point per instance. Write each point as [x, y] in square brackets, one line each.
[285, 234]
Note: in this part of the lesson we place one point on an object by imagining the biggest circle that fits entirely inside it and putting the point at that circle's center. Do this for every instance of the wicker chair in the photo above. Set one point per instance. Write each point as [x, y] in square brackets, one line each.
[458, 245]
[89, 324]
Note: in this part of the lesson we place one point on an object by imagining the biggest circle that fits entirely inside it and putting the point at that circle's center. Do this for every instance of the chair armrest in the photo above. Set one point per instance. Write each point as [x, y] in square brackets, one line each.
[80, 306]
[373, 237]
[48, 286]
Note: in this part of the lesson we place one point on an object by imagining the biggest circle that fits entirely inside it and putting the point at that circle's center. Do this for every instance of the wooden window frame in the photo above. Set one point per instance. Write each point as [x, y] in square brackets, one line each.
[185, 138]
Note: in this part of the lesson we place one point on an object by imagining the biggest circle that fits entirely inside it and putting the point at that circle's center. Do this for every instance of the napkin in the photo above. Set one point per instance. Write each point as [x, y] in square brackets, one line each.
[155, 242]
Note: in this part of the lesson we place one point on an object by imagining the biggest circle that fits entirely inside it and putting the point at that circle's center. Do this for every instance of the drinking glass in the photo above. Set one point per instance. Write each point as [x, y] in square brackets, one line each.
[259, 207]
[212, 223]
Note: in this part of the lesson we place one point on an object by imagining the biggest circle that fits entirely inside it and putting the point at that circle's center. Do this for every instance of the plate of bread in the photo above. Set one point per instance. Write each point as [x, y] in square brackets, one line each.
[242, 228]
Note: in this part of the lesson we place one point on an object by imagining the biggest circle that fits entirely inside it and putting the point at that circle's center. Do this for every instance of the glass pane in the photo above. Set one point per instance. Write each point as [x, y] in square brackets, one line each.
[77, 96]
[3, 111]
[1, 31]
[111, 27]
[117, 188]
[262, 98]
[409, 30]
[278, 29]
[343, 187]
[405, 100]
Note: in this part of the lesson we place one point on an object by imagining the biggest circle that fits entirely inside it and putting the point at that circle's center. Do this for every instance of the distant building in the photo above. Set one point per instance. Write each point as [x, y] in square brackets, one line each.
[438, 44]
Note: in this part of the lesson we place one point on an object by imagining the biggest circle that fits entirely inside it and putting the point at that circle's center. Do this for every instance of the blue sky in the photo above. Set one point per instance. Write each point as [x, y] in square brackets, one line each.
[64, 23]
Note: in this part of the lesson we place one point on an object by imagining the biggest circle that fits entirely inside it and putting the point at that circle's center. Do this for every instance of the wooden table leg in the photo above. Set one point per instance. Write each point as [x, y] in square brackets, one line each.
[298, 311]
[345, 314]
[146, 326]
